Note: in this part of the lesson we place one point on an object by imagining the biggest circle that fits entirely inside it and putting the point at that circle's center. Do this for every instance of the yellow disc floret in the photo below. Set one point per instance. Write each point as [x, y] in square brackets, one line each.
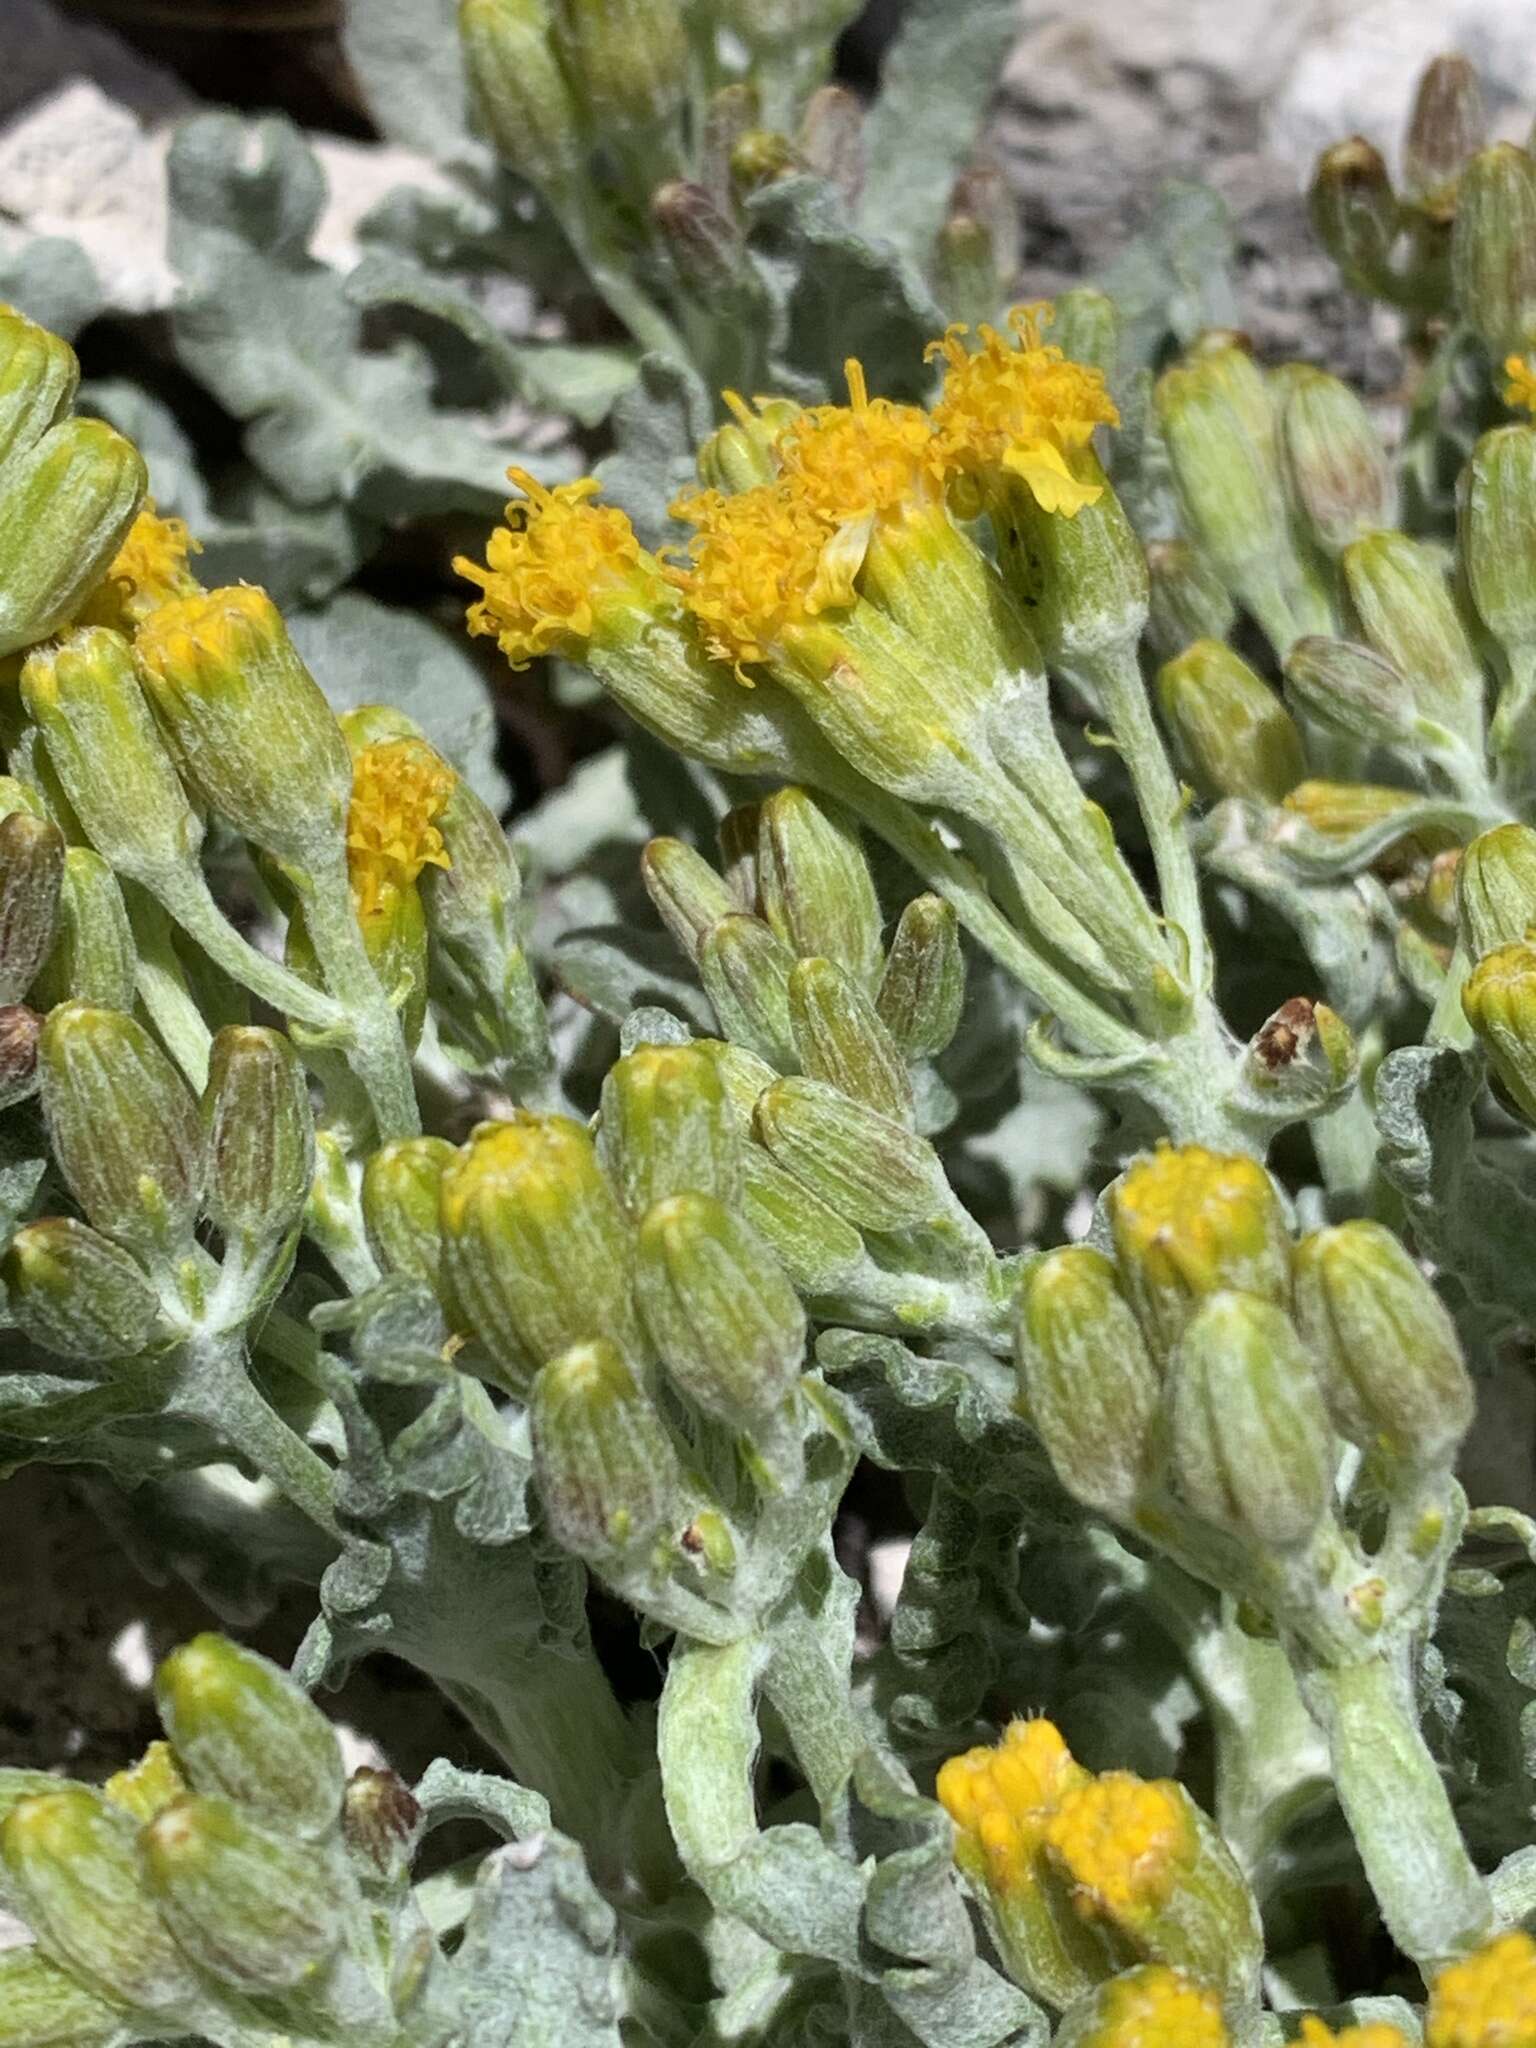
[1489, 2000]
[1521, 388]
[1123, 1842]
[1018, 408]
[869, 457]
[1316, 2033]
[1156, 2007]
[760, 563]
[1000, 1798]
[1187, 1223]
[148, 570]
[549, 569]
[399, 788]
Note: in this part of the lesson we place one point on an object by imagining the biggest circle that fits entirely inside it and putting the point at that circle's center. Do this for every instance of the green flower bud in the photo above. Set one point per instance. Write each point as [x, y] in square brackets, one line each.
[816, 1247]
[1341, 810]
[872, 1170]
[244, 1731]
[724, 1319]
[780, 26]
[689, 897]
[394, 932]
[760, 157]
[521, 91]
[124, 1128]
[814, 884]
[922, 991]
[1445, 128]
[831, 140]
[1498, 536]
[70, 1861]
[608, 1473]
[1230, 729]
[21, 1030]
[1189, 1223]
[745, 971]
[77, 1294]
[669, 1128]
[1496, 888]
[737, 457]
[401, 1193]
[249, 1908]
[737, 836]
[967, 280]
[106, 750]
[1250, 1443]
[1083, 579]
[65, 503]
[839, 1038]
[1356, 215]
[1087, 326]
[1350, 689]
[260, 1135]
[1404, 604]
[1187, 600]
[1385, 1346]
[702, 239]
[1087, 1378]
[536, 1251]
[41, 2006]
[1338, 469]
[252, 732]
[629, 60]
[1499, 1001]
[1493, 248]
[38, 378]
[31, 872]
[93, 959]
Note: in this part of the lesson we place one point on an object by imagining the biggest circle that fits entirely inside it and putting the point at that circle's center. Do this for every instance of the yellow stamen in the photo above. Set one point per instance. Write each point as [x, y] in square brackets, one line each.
[1521, 388]
[870, 457]
[1316, 2033]
[148, 570]
[1156, 2007]
[1123, 1842]
[399, 787]
[1000, 1799]
[548, 571]
[1488, 2001]
[760, 563]
[1017, 408]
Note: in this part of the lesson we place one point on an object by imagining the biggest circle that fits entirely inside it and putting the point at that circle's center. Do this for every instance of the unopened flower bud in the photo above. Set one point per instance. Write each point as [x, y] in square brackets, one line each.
[689, 896]
[669, 1128]
[922, 991]
[31, 873]
[401, 1193]
[105, 748]
[124, 1127]
[244, 1731]
[1341, 810]
[71, 1865]
[260, 1136]
[872, 1170]
[831, 142]
[724, 1319]
[1355, 213]
[1404, 604]
[1083, 579]
[816, 1247]
[629, 62]
[44, 2007]
[1349, 688]
[76, 1293]
[1338, 468]
[93, 958]
[380, 1819]
[1189, 1223]
[1252, 1451]
[1496, 888]
[65, 503]
[814, 883]
[525, 1210]
[839, 1038]
[1499, 1001]
[1445, 128]
[1148, 2007]
[21, 1031]
[251, 729]
[760, 157]
[521, 89]
[1087, 1378]
[1384, 1343]
[250, 1908]
[1498, 536]
[608, 1473]
[1493, 248]
[702, 239]
[738, 836]
[1187, 600]
[1231, 730]
[38, 378]
[745, 971]
[148, 1786]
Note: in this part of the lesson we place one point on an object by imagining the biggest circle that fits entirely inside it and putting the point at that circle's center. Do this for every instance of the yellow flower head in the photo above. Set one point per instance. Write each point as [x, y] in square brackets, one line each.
[1488, 2001]
[760, 563]
[1521, 388]
[1155, 2007]
[148, 570]
[399, 787]
[1000, 1799]
[1123, 1842]
[1316, 2033]
[870, 457]
[1019, 408]
[549, 570]
[149, 1786]
[192, 642]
